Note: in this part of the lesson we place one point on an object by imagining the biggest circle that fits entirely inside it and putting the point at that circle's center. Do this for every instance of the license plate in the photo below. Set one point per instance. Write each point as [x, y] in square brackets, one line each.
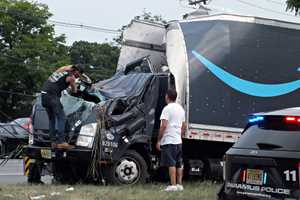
[46, 153]
[254, 176]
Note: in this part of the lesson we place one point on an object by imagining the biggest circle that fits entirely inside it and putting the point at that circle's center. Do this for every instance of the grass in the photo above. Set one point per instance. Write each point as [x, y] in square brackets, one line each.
[195, 190]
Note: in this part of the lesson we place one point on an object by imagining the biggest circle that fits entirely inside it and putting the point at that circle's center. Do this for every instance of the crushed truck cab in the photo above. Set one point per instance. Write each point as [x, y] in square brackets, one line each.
[111, 124]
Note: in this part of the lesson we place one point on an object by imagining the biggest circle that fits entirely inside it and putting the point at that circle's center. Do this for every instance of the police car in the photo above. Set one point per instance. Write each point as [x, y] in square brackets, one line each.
[265, 162]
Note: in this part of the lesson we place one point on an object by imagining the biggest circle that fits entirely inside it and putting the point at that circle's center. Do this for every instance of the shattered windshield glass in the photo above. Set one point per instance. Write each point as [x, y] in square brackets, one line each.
[121, 97]
[126, 87]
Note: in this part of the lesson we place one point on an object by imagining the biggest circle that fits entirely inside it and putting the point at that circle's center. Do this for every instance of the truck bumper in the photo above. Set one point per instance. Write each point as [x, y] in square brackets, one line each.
[47, 155]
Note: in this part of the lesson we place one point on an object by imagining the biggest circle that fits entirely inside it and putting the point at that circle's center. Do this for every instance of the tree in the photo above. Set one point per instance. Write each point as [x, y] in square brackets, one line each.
[29, 51]
[100, 59]
[294, 6]
[148, 16]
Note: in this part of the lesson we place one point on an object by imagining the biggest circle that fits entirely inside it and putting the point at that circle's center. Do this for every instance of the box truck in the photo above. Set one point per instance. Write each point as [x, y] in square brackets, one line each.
[223, 68]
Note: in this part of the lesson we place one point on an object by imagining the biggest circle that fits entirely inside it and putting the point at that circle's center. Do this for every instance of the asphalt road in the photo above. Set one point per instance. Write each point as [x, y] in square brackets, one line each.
[12, 172]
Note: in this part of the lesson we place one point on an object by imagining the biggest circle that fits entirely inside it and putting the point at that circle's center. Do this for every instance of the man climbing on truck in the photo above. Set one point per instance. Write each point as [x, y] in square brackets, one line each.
[60, 80]
[169, 142]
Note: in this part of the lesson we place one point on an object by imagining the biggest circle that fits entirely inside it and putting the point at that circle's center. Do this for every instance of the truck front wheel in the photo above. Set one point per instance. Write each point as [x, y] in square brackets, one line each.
[130, 169]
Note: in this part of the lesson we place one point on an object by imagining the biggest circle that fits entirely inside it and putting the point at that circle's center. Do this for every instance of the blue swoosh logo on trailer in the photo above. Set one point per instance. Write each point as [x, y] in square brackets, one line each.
[245, 86]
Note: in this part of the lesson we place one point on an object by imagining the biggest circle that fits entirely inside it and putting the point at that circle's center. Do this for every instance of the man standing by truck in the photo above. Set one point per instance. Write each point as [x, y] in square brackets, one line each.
[169, 142]
[60, 80]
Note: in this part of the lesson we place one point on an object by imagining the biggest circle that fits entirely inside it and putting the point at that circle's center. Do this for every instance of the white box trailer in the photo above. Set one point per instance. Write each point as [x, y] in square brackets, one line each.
[225, 67]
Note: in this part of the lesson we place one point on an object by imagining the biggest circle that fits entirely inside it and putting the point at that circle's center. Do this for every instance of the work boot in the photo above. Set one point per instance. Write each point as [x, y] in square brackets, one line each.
[64, 146]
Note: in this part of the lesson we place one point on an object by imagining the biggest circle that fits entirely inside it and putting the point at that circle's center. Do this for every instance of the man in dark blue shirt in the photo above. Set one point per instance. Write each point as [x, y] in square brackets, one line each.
[60, 80]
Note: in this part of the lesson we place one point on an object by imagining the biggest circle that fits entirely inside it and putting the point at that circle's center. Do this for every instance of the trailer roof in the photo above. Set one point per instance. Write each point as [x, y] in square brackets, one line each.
[152, 23]
[247, 19]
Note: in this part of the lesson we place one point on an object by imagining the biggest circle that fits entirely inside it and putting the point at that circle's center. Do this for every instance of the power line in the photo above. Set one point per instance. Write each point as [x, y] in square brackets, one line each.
[185, 6]
[192, 4]
[263, 8]
[83, 26]
[256, 6]
[276, 2]
[64, 24]
[197, 2]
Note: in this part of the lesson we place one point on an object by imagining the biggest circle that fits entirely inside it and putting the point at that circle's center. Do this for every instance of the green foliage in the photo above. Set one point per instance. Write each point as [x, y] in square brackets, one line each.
[294, 6]
[29, 51]
[100, 59]
[148, 16]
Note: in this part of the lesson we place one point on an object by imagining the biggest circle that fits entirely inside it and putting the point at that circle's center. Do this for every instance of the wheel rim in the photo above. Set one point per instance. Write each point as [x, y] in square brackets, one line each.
[127, 171]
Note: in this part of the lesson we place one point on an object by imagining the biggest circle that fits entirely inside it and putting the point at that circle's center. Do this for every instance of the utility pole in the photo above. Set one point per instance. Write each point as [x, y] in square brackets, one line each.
[197, 2]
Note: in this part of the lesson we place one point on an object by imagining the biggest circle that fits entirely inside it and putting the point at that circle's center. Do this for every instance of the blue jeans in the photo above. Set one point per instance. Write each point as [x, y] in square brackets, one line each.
[56, 117]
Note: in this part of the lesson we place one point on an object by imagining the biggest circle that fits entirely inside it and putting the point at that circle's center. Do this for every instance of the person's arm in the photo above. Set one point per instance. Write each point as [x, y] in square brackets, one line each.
[183, 129]
[85, 78]
[71, 80]
[64, 68]
[163, 126]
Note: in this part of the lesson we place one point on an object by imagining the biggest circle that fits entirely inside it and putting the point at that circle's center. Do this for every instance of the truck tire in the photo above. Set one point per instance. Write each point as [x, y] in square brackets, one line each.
[130, 169]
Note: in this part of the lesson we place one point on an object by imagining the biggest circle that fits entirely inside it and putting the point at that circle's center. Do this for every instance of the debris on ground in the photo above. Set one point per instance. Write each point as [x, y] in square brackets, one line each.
[37, 197]
[9, 195]
[70, 189]
[55, 193]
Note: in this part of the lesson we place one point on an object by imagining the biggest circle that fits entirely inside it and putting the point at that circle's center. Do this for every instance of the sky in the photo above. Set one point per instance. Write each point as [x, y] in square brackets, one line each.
[115, 14]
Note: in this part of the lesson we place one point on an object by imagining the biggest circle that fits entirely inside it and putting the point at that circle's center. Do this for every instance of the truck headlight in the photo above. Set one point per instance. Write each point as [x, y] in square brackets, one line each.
[88, 129]
[85, 141]
[86, 135]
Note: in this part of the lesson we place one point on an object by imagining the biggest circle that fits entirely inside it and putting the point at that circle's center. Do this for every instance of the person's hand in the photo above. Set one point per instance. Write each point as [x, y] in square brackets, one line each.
[67, 66]
[158, 146]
